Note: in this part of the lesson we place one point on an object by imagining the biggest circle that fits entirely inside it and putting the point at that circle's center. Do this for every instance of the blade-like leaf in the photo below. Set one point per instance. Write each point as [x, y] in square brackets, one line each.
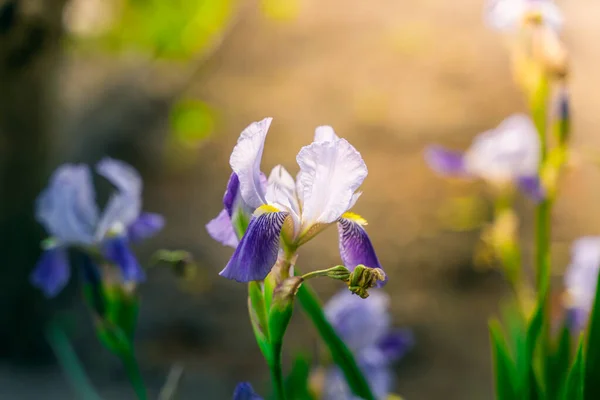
[296, 384]
[340, 353]
[573, 389]
[557, 364]
[504, 367]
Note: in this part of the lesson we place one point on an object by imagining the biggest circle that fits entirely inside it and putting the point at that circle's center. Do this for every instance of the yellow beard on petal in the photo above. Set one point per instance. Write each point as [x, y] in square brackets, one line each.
[265, 208]
[355, 218]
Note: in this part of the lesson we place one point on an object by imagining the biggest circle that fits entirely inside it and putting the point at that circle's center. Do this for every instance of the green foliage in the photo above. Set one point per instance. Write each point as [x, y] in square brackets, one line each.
[573, 388]
[297, 381]
[192, 121]
[340, 353]
[176, 29]
[592, 352]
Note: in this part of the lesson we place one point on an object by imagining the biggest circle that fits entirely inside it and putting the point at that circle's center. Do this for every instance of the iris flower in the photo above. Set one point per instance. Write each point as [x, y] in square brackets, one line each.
[365, 327]
[509, 153]
[581, 279]
[288, 209]
[244, 391]
[509, 15]
[68, 211]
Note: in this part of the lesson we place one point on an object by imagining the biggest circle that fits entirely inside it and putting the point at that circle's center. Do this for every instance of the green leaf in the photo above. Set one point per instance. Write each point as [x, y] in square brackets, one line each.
[558, 363]
[340, 353]
[592, 354]
[122, 309]
[258, 318]
[573, 389]
[296, 384]
[505, 371]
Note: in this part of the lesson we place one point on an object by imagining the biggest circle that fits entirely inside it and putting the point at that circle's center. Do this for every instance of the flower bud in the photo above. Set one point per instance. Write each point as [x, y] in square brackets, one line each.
[364, 278]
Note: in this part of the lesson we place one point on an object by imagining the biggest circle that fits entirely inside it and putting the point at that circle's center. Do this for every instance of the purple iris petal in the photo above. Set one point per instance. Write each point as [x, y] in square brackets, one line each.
[147, 225]
[531, 187]
[67, 207]
[231, 193]
[221, 229]
[256, 253]
[395, 344]
[117, 251]
[52, 271]
[356, 247]
[445, 162]
[244, 391]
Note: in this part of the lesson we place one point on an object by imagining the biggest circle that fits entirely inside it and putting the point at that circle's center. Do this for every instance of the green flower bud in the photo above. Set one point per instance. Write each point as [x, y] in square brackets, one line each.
[364, 278]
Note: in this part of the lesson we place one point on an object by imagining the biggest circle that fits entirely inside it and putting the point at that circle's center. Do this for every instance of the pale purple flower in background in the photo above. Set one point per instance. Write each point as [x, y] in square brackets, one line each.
[509, 15]
[365, 327]
[510, 153]
[68, 211]
[331, 171]
[581, 279]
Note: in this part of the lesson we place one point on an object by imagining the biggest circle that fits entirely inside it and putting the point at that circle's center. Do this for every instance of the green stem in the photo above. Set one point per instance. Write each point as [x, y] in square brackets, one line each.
[135, 377]
[276, 371]
[340, 353]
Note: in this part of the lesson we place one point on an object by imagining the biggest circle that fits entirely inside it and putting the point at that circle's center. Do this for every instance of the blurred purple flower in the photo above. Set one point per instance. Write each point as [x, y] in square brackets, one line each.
[510, 153]
[244, 391]
[68, 211]
[365, 327]
[581, 279]
[331, 171]
[509, 15]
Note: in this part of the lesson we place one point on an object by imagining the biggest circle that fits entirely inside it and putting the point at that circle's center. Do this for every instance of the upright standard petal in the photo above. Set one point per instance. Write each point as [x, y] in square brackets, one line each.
[245, 162]
[510, 151]
[145, 226]
[330, 173]
[230, 198]
[125, 205]
[355, 246]
[281, 192]
[244, 391]
[257, 252]
[67, 207]
[581, 277]
[445, 162]
[325, 133]
[221, 230]
[52, 271]
[116, 250]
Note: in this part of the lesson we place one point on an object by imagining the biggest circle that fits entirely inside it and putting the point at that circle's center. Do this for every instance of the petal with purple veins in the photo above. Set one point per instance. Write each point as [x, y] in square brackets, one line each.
[257, 252]
[52, 271]
[355, 246]
[221, 229]
[244, 391]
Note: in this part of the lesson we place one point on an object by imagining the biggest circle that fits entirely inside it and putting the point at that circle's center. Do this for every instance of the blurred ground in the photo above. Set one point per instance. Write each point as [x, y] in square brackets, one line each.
[390, 77]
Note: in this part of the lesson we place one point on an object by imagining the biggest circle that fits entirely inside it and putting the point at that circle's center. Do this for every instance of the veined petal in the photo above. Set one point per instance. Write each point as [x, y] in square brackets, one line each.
[244, 391]
[52, 271]
[330, 173]
[325, 133]
[355, 246]
[445, 162]
[245, 162]
[531, 187]
[123, 207]
[147, 225]
[507, 152]
[118, 252]
[257, 252]
[67, 207]
[221, 229]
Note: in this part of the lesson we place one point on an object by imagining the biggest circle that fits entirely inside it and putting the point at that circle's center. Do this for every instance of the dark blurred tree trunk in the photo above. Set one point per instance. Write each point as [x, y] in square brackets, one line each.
[30, 50]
